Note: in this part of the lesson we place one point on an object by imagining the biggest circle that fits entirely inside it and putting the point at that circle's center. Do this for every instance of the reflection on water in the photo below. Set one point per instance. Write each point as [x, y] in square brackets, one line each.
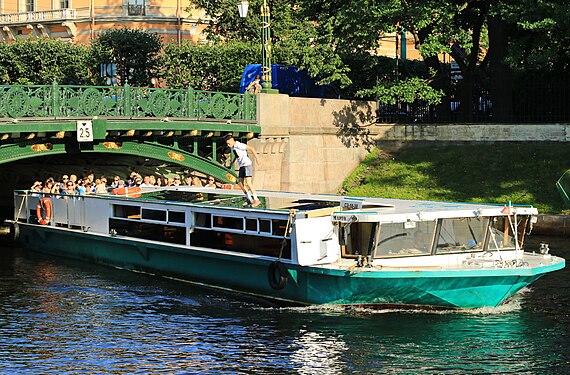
[59, 316]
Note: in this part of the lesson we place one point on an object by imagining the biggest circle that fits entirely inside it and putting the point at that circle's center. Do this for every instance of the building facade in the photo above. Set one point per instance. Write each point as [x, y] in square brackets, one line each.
[81, 21]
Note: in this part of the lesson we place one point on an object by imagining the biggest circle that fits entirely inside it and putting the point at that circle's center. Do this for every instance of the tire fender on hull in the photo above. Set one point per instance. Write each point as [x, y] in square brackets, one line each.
[277, 275]
[14, 232]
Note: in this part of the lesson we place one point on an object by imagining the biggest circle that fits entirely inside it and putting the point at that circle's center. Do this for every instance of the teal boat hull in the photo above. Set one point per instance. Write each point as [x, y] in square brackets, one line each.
[470, 288]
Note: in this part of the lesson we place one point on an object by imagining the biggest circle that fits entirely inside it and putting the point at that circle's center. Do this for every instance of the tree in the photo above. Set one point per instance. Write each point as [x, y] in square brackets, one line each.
[487, 38]
[41, 61]
[217, 66]
[135, 52]
[295, 38]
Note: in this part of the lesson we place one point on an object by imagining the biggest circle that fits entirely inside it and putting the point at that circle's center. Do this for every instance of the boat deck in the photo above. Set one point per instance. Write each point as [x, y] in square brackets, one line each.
[528, 261]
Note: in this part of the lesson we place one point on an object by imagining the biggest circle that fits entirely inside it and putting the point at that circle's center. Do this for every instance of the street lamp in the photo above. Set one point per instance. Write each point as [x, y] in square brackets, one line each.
[267, 85]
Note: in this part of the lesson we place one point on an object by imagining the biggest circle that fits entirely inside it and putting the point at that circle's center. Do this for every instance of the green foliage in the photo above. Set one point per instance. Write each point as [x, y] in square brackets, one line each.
[296, 40]
[497, 173]
[41, 61]
[409, 90]
[541, 30]
[216, 67]
[136, 53]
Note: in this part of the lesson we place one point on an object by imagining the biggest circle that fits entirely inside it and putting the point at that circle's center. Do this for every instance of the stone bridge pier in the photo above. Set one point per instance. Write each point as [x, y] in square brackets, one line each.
[304, 145]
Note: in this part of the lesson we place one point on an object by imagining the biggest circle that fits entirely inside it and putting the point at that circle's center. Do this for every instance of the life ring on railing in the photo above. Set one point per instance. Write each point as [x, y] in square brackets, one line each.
[277, 275]
[43, 211]
[129, 192]
[231, 187]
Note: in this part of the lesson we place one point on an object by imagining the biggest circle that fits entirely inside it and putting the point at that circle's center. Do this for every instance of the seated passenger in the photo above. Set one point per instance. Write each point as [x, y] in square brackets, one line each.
[211, 182]
[146, 182]
[37, 186]
[48, 187]
[421, 241]
[196, 181]
[70, 189]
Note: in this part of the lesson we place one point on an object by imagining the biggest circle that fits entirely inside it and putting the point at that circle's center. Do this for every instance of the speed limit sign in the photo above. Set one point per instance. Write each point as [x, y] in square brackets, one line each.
[84, 131]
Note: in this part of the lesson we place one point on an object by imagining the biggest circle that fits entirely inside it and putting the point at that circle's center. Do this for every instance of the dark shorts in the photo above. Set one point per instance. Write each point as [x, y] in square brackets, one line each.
[245, 171]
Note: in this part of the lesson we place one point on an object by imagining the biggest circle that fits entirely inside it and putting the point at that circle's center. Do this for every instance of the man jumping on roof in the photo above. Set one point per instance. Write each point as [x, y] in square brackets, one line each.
[245, 168]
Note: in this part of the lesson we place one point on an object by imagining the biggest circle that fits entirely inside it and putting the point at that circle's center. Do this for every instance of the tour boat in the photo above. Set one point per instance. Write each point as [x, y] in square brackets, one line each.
[296, 248]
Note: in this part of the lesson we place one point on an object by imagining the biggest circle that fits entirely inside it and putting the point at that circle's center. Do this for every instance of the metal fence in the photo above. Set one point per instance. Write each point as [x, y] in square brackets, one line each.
[533, 100]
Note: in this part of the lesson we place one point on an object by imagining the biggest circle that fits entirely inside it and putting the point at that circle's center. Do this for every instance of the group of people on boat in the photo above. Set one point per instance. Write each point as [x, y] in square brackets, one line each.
[136, 180]
[70, 184]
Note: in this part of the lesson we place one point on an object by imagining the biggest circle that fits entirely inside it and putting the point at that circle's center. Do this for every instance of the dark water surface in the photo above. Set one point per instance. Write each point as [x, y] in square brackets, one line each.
[65, 317]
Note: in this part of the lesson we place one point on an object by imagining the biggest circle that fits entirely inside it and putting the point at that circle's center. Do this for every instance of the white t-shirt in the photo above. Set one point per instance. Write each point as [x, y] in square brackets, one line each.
[240, 150]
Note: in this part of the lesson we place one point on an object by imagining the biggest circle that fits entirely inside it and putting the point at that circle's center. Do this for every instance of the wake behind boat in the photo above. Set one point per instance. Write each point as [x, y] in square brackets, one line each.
[296, 248]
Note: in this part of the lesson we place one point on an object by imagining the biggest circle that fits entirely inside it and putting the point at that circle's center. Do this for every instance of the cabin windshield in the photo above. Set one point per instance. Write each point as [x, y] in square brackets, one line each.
[461, 234]
[502, 231]
[387, 239]
[410, 238]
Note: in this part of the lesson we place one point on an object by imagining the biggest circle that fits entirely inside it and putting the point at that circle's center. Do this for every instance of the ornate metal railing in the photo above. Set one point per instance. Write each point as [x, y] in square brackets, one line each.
[58, 101]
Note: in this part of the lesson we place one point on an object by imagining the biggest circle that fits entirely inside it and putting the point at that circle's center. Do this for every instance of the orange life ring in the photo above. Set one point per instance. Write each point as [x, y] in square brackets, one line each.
[129, 192]
[44, 205]
[231, 187]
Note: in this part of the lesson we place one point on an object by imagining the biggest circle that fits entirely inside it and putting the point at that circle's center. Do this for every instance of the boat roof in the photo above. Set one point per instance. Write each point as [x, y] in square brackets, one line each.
[307, 202]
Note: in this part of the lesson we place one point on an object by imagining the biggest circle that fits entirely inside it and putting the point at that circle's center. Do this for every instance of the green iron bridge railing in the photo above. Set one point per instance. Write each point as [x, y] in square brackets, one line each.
[66, 101]
[180, 126]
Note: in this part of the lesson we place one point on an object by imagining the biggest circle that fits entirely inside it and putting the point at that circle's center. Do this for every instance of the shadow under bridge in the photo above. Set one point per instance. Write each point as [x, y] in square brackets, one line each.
[178, 126]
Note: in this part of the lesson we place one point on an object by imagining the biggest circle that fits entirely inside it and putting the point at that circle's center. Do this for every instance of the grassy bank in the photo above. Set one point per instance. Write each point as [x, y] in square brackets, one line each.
[497, 173]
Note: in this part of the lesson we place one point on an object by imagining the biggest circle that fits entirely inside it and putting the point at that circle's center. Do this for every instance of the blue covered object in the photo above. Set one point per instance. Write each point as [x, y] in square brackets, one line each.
[288, 80]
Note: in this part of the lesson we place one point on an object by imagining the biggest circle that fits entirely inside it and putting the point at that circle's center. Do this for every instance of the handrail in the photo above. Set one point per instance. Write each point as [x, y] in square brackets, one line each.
[57, 101]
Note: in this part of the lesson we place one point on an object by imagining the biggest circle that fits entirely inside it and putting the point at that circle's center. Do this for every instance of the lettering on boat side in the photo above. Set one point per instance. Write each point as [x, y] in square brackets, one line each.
[342, 218]
[351, 204]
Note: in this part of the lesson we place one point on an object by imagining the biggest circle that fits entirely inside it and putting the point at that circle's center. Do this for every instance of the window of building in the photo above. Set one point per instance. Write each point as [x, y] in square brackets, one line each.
[30, 5]
[136, 7]
[64, 4]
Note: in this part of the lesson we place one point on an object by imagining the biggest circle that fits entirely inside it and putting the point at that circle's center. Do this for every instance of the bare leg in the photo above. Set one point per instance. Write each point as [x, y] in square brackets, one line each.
[249, 185]
[244, 189]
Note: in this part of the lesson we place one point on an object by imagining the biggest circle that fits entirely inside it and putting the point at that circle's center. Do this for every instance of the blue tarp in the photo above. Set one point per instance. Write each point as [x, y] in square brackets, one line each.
[288, 80]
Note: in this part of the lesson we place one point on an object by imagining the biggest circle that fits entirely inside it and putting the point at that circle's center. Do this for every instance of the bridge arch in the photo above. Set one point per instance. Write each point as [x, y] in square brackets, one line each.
[169, 153]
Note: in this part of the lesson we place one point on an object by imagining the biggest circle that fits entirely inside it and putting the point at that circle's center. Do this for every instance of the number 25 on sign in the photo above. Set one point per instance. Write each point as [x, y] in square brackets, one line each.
[84, 131]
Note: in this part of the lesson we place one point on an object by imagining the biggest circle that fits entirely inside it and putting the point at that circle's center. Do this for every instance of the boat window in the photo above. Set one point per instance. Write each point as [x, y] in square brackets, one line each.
[228, 222]
[461, 234]
[264, 226]
[156, 215]
[279, 227]
[127, 212]
[251, 225]
[405, 239]
[241, 243]
[176, 217]
[203, 220]
[148, 231]
[355, 239]
[501, 231]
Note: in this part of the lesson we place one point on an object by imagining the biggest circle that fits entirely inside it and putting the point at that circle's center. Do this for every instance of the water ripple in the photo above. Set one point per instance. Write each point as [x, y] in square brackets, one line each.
[62, 317]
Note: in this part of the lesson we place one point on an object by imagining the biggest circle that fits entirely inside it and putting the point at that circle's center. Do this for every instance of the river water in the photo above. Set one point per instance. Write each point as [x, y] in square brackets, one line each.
[64, 317]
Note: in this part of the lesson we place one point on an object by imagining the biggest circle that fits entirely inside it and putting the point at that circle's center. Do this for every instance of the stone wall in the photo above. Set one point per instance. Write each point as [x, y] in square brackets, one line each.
[305, 144]
[312, 145]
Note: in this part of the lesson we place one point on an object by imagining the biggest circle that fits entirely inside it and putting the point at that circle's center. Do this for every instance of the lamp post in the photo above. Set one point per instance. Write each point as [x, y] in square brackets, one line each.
[267, 85]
